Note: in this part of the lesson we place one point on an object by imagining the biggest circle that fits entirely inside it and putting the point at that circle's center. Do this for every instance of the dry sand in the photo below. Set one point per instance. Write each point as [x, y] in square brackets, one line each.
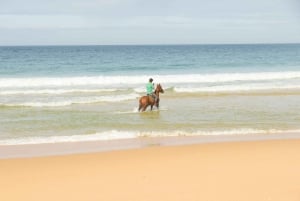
[235, 171]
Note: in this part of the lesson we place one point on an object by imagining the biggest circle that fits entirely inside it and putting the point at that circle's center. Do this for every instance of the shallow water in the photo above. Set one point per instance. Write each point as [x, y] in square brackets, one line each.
[209, 90]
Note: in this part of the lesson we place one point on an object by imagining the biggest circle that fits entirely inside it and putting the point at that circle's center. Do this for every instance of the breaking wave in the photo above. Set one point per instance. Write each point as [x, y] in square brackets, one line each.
[118, 135]
[40, 82]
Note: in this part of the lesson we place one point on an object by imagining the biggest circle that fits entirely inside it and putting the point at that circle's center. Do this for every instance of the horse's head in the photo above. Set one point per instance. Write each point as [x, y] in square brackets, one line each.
[159, 89]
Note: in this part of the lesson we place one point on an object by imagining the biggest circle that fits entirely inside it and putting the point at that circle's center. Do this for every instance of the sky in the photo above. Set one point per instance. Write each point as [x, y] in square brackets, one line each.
[118, 22]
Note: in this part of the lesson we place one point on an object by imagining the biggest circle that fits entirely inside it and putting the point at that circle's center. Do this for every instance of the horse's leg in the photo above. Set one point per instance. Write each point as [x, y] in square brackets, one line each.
[147, 103]
[144, 108]
[157, 103]
[140, 107]
[151, 102]
[142, 104]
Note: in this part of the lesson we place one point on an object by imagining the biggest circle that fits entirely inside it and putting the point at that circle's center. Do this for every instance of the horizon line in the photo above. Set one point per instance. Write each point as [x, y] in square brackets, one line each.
[170, 44]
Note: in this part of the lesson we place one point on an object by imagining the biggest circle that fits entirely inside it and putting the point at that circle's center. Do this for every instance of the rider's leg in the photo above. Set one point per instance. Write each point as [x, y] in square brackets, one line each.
[155, 98]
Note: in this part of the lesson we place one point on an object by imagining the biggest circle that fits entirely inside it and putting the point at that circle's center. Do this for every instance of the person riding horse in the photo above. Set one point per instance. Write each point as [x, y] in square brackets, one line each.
[150, 89]
[152, 97]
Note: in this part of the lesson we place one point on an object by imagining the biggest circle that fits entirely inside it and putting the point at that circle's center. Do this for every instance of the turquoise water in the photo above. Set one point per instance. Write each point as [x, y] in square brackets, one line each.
[79, 93]
[140, 60]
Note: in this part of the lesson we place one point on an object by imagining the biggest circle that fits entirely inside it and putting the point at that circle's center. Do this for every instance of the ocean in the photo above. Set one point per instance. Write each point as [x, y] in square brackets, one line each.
[51, 94]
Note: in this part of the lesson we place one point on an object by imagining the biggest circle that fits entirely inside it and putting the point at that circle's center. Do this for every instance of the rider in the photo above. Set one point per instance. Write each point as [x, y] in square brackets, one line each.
[150, 88]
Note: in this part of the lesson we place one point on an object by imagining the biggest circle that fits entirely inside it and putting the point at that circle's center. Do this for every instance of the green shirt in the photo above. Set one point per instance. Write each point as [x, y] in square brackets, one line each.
[149, 88]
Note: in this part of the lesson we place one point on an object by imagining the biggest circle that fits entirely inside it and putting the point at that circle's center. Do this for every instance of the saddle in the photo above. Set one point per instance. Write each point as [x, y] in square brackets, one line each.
[151, 95]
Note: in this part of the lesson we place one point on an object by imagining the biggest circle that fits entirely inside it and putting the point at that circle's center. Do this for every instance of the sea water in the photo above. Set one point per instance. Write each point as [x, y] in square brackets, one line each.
[54, 94]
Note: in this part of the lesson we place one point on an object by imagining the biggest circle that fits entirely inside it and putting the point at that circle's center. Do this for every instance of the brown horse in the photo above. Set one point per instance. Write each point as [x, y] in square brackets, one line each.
[145, 101]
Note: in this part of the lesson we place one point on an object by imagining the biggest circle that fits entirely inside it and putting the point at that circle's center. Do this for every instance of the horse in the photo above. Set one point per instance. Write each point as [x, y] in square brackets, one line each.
[145, 101]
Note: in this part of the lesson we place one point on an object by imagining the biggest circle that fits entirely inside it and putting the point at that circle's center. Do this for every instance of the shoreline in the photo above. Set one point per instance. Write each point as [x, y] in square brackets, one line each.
[244, 171]
[84, 147]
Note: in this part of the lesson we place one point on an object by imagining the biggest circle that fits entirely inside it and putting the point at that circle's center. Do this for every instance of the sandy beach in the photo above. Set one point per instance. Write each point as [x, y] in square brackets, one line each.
[223, 171]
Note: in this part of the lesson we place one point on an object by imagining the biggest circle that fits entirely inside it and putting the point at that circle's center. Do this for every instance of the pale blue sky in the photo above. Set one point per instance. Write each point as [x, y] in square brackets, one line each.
[103, 22]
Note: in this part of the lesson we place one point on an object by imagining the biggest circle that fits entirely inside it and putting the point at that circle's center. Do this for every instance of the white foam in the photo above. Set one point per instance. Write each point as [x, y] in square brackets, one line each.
[73, 100]
[70, 81]
[135, 110]
[104, 81]
[115, 135]
[245, 131]
[109, 135]
[53, 91]
[236, 88]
